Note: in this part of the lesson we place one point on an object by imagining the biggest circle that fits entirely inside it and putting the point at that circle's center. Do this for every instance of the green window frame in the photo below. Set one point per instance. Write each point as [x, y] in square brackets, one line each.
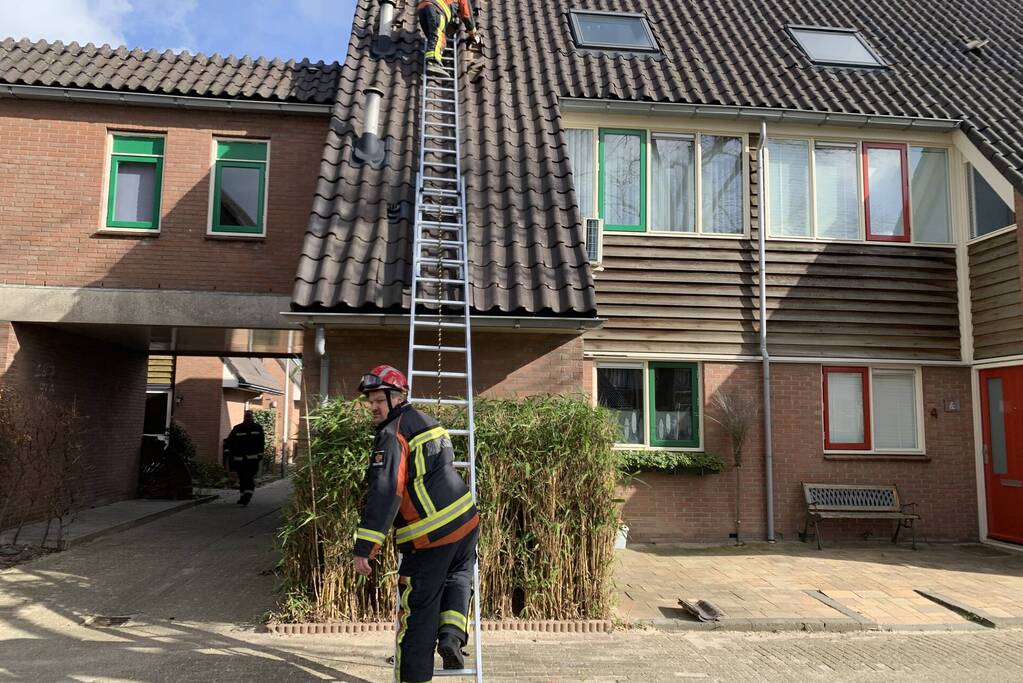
[244, 154]
[135, 149]
[641, 134]
[694, 418]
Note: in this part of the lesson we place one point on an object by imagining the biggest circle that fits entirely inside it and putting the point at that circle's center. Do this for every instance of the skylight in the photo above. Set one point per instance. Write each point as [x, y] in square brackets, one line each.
[834, 46]
[607, 31]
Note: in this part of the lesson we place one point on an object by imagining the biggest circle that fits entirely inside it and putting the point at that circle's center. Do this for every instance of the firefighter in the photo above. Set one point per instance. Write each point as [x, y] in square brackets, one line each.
[243, 450]
[434, 17]
[413, 486]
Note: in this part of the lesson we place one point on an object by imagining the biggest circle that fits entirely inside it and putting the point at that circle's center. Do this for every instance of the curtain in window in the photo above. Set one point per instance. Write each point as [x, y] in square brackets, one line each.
[135, 187]
[673, 184]
[621, 390]
[673, 404]
[622, 169]
[990, 213]
[895, 412]
[580, 156]
[836, 191]
[721, 179]
[788, 181]
[884, 178]
[928, 188]
[845, 408]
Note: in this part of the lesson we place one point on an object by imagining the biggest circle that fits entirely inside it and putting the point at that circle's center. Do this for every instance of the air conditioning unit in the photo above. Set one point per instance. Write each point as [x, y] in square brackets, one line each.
[594, 240]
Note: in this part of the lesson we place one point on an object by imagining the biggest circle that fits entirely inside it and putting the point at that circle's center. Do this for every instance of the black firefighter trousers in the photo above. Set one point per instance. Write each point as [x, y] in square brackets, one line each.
[434, 587]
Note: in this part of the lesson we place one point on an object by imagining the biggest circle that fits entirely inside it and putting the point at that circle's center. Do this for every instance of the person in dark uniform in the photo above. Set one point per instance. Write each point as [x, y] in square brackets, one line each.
[434, 17]
[413, 486]
[243, 451]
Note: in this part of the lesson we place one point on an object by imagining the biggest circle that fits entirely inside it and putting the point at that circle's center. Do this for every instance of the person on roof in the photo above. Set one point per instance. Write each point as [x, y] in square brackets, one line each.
[434, 17]
[413, 486]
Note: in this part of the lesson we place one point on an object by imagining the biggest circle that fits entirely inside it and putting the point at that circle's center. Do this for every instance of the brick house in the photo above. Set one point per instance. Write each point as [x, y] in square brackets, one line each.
[624, 162]
[892, 157]
[148, 202]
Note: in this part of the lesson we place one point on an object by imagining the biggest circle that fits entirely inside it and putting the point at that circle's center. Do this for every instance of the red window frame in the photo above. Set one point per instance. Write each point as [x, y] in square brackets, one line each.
[865, 374]
[904, 158]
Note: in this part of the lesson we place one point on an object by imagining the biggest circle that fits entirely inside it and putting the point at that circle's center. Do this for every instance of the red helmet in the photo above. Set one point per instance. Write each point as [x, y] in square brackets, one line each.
[383, 377]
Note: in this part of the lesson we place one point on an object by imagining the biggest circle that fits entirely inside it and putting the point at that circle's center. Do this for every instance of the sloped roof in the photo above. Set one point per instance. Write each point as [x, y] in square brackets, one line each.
[55, 64]
[252, 375]
[524, 221]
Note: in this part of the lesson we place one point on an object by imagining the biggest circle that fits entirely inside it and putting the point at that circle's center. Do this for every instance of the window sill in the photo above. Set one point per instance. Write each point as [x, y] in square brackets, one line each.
[239, 237]
[671, 234]
[643, 447]
[127, 232]
[878, 457]
[875, 243]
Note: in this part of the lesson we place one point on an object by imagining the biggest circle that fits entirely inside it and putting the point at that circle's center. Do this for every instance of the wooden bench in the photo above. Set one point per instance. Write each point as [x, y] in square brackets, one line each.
[854, 501]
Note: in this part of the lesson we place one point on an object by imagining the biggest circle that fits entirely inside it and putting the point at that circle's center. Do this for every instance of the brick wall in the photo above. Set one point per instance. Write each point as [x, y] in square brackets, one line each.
[700, 509]
[505, 363]
[106, 382]
[199, 403]
[52, 184]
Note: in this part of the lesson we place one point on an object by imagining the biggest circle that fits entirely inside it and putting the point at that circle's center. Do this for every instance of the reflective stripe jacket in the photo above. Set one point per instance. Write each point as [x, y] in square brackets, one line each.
[463, 7]
[414, 486]
[245, 442]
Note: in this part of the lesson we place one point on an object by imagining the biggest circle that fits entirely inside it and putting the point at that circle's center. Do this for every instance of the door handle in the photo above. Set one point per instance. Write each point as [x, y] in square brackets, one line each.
[985, 454]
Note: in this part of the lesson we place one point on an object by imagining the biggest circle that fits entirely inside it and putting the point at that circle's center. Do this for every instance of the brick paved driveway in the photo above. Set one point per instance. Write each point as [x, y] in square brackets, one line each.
[870, 584]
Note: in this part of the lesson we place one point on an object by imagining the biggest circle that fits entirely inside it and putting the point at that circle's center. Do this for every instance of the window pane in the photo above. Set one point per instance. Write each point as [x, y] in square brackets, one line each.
[721, 169]
[928, 188]
[621, 390]
[239, 196]
[895, 411]
[884, 184]
[990, 213]
[135, 189]
[607, 29]
[673, 185]
[845, 408]
[834, 47]
[622, 168]
[789, 184]
[996, 418]
[673, 404]
[837, 191]
[580, 156]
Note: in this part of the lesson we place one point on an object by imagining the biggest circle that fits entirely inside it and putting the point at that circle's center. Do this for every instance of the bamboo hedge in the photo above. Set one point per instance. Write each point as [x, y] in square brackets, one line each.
[546, 489]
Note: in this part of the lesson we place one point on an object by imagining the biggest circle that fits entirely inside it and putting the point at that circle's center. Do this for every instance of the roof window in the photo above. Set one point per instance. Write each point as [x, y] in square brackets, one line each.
[612, 31]
[834, 46]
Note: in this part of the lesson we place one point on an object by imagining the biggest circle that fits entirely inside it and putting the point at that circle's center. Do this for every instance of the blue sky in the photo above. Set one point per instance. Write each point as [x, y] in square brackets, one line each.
[291, 29]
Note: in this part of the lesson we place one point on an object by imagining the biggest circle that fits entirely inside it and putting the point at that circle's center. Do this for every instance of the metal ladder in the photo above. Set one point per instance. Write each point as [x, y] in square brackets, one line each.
[440, 280]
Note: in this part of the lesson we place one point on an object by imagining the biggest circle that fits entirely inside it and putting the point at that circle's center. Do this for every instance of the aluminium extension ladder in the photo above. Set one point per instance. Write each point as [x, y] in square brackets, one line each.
[440, 295]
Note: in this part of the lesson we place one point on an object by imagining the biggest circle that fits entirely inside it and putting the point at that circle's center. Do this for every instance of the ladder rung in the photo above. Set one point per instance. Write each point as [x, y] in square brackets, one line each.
[437, 323]
[440, 193]
[434, 373]
[441, 401]
[440, 137]
[438, 124]
[441, 349]
[446, 262]
[440, 99]
[438, 179]
[439, 164]
[438, 87]
[458, 432]
[454, 672]
[442, 225]
[438, 150]
[459, 465]
[450, 244]
[441, 207]
[439, 302]
[439, 112]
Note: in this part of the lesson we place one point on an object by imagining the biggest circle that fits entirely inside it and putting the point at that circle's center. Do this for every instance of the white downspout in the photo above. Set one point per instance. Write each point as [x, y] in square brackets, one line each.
[286, 429]
[321, 351]
[764, 355]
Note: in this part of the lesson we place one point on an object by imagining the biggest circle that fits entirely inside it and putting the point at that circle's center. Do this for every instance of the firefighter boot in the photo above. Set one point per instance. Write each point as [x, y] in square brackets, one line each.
[450, 650]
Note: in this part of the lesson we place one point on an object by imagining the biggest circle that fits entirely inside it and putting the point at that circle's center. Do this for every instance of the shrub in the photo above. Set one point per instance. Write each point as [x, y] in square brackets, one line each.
[268, 420]
[546, 490]
[675, 462]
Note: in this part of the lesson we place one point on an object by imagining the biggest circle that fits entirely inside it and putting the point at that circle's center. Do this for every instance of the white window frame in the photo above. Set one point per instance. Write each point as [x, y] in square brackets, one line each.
[213, 185]
[971, 220]
[695, 134]
[921, 448]
[861, 197]
[644, 365]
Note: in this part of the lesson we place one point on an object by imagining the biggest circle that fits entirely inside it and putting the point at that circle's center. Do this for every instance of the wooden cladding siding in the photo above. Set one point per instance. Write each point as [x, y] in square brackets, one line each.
[161, 372]
[995, 297]
[682, 295]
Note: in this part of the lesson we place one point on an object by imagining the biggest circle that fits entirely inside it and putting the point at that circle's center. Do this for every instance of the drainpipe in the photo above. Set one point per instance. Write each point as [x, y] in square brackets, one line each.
[321, 351]
[286, 429]
[764, 355]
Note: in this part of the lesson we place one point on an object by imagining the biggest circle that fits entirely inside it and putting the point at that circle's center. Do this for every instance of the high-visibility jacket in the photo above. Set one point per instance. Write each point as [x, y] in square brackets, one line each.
[450, 7]
[413, 486]
[245, 444]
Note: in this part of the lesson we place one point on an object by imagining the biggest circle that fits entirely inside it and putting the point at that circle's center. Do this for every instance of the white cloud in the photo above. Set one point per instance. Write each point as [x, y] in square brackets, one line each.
[84, 21]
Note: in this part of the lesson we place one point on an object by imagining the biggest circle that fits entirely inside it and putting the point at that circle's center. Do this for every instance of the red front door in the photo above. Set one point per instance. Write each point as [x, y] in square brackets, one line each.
[1001, 405]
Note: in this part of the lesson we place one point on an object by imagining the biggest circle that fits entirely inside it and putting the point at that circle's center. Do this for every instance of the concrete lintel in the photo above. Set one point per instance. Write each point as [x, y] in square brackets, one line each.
[156, 307]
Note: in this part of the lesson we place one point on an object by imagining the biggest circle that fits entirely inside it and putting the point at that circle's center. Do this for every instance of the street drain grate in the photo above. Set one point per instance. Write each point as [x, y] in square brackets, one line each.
[102, 621]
